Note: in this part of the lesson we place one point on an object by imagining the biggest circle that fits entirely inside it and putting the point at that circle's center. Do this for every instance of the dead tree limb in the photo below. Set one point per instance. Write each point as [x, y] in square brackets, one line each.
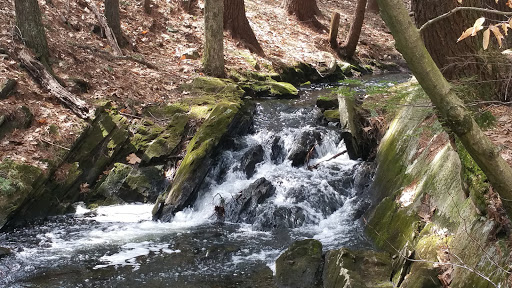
[333, 157]
[111, 38]
[109, 56]
[47, 81]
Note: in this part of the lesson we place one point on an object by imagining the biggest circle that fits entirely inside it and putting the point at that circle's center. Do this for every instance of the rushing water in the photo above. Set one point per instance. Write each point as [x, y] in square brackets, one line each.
[119, 246]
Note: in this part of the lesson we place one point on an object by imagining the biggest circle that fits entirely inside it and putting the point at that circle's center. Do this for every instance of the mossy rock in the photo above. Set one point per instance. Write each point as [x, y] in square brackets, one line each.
[110, 186]
[300, 266]
[164, 111]
[327, 102]
[167, 140]
[16, 183]
[280, 90]
[216, 88]
[345, 268]
[332, 115]
[197, 160]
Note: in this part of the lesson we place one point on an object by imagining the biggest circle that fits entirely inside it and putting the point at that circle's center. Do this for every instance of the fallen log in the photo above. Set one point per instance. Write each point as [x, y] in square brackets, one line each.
[47, 81]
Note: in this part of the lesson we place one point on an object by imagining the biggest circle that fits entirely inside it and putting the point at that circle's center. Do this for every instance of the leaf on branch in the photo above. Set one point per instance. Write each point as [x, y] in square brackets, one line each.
[460, 1]
[478, 25]
[465, 34]
[505, 26]
[509, 3]
[496, 31]
[487, 34]
[506, 52]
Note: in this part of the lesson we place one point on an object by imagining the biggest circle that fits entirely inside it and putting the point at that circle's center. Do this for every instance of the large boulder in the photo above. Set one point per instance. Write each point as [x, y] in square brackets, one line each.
[302, 146]
[278, 154]
[354, 269]
[280, 217]
[300, 266]
[198, 159]
[243, 207]
[279, 90]
[249, 160]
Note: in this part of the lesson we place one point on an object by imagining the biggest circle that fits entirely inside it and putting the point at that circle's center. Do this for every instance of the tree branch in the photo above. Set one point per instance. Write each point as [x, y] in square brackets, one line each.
[455, 10]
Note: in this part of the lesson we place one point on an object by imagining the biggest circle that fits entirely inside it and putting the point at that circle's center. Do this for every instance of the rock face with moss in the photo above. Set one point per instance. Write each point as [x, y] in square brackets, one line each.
[221, 123]
[352, 269]
[426, 213]
[300, 266]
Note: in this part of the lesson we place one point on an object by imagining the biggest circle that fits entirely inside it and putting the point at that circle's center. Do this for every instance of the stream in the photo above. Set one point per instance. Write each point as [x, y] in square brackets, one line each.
[120, 246]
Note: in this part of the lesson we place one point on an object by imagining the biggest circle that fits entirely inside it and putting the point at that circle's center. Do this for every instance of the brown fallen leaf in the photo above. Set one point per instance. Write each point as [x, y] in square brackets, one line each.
[133, 159]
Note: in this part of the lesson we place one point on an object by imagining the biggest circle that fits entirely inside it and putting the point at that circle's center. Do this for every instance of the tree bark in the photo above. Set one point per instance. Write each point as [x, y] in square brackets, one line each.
[305, 11]
[451, 109]
[237, 24]
[30, 25]
[147, 6]
[114, 20]
[333, 30]
[349, 47]
[373, 6]
[213, 59]
[47, 81]
[463, 59]
[188, 5]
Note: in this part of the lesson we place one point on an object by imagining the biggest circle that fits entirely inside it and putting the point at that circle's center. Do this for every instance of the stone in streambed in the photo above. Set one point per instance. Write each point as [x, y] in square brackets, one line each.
[300, 266]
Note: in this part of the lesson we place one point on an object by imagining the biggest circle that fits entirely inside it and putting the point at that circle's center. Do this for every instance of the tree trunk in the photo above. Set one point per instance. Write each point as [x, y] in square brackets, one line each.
[305, 11]
[237, 24]
[113, 20]
[188, 5]
[373, 6]
[213, 61]
[451, 109]
[349, 47]
[30, 25]
[147, 6]
[463, 59]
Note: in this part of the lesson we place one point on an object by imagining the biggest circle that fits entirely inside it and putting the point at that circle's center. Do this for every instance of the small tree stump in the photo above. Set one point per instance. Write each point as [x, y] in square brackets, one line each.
[7, 88]
[333, 31]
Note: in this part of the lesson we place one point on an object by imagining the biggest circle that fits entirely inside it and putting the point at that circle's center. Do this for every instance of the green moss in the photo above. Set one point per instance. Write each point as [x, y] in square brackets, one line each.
[392, 226]
[332, 115]
[269, 89]
[164, 112]
[168, 140]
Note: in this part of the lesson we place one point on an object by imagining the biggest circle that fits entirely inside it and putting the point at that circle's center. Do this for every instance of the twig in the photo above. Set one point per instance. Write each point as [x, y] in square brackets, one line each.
[57, 145]
[455, 10]
[333, 157]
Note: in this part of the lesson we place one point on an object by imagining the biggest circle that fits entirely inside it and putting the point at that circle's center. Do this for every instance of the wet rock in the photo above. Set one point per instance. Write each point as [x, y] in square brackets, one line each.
[272, 218]
[325, 201]
[351, 269]
[300, 266]
[279, 90]
[278, 154]
[4, 252]
[327, 102]
[249, 160]
[302, 146]
[332, 115]
[199, 157]
[244, 205]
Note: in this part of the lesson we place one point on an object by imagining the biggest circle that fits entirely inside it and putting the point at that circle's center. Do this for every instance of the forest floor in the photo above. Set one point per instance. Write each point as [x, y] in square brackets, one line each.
[161, 39]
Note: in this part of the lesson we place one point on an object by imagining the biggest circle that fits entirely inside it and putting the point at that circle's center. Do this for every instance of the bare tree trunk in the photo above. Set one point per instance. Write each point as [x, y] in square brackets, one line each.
[333, 30]
[236, 22]
[349, 47]
[30, 25]
[114, 21]
[188, 5]
[305, 11]
[451, 109]
[213, 61]
[373, 7]
[147, 6]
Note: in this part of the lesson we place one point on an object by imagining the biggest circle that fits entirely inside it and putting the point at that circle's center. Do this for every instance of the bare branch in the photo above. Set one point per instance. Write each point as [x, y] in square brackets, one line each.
[455, 10]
